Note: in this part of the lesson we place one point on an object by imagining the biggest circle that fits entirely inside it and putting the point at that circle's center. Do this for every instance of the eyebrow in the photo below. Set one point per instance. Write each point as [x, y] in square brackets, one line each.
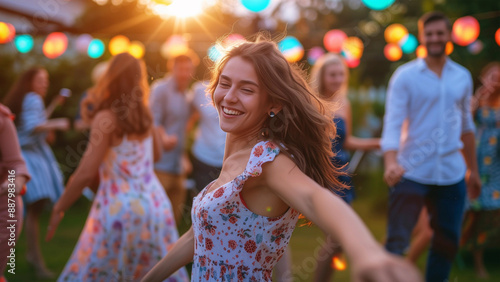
[241, 82]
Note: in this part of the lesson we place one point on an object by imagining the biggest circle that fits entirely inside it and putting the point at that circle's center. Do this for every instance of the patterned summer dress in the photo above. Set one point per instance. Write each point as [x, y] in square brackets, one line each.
[482, 221]
[488, 158]
[130, 226]
[231, 242]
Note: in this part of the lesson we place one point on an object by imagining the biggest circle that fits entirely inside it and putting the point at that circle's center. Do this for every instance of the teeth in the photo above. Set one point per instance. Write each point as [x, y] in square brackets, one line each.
[231, 112]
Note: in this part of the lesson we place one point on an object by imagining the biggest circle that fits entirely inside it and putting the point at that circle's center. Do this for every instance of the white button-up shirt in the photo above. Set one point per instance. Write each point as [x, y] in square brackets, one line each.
[425, 118]
[171, 109]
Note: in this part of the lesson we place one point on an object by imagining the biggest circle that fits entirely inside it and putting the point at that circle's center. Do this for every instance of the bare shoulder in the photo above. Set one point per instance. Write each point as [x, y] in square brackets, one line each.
[285, 179]
[281, 166]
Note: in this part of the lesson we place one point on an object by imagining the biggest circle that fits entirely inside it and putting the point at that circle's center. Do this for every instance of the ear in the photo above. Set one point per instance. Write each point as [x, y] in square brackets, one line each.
[276, 108]
[421, 37]
[448, 33]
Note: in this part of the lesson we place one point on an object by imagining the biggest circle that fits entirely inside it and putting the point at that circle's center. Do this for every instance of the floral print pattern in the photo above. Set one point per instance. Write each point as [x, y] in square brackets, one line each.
[488, 158]
[482, 221]
[231, 242]
[130, 226]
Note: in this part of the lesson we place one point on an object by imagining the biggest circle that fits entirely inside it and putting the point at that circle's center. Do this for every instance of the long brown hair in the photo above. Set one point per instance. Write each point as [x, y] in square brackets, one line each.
[23, 85]
[303, 126]
[124, 89]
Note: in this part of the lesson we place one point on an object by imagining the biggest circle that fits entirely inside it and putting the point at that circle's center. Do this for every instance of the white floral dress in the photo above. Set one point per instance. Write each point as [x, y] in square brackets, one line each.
[231, 242]
[130, 226]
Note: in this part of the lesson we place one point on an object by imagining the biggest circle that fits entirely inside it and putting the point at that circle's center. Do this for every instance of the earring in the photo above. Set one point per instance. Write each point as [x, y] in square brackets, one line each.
[272, 114]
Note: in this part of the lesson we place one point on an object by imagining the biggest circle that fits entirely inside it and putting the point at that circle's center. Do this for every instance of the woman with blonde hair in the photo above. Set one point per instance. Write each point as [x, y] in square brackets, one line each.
[330, 77]
[276, 163]
[130, 226]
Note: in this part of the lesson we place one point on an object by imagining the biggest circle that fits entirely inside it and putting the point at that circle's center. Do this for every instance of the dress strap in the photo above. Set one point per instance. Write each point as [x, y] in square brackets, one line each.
[262, 152]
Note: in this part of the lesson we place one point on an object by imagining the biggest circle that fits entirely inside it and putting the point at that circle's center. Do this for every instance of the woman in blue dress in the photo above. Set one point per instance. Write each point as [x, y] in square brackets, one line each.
[329, 77]
[482, 222]
[25, 99]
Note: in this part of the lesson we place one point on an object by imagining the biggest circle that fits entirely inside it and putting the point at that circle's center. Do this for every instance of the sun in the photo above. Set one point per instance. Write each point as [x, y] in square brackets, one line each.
[178, 8]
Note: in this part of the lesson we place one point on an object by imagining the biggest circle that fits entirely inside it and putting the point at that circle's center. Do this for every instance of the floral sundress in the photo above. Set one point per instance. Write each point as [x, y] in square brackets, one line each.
[130, 226]
[231, 242]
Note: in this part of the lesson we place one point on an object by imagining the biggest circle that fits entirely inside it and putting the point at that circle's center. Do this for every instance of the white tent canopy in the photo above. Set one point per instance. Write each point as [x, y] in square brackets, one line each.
[33, 16]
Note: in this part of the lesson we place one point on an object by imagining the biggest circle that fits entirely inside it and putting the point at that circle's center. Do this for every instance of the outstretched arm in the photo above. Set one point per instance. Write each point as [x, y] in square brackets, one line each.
[53, 124]
[370, 262]
[58, 100]
[181, 254]
[353, 142]
[101, 132]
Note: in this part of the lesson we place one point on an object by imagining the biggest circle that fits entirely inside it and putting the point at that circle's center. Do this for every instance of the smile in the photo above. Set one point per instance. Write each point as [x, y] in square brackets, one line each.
[231, 112]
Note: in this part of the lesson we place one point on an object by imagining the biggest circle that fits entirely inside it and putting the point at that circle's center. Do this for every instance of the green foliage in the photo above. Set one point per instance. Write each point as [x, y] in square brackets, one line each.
[304, 244]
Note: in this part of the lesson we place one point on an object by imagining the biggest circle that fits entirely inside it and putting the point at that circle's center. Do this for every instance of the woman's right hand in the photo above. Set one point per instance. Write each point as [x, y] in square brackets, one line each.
[386, 267]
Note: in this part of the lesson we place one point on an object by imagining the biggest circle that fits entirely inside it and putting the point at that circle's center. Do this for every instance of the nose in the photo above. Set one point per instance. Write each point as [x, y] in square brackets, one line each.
[434, 37]
[230, 96]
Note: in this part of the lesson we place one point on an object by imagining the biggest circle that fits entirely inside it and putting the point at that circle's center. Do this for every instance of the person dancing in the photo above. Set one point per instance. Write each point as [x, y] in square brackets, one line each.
[277, 158]
[330, 77]
[130, 226]
[25, 100]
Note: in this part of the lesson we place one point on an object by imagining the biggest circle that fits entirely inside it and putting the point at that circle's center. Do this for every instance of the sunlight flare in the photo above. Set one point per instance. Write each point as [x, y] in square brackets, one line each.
[179, 8]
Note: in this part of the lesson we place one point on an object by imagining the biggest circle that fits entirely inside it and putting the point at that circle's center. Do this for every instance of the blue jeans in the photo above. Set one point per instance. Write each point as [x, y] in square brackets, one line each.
[446, 205]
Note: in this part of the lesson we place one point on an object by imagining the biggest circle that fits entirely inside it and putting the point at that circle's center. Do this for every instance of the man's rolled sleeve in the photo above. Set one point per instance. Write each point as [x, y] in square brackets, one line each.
[467, 119]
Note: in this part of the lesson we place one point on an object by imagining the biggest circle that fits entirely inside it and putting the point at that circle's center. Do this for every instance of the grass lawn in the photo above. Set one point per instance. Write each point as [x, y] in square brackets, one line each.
[370, 205]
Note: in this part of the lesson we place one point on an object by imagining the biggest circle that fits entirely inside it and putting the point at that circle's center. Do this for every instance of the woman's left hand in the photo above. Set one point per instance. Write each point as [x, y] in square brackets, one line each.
[55, 219]
[385, 267]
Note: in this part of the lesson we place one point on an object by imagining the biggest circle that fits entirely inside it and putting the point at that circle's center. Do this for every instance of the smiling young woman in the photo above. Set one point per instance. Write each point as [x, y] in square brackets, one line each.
[276, 165]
